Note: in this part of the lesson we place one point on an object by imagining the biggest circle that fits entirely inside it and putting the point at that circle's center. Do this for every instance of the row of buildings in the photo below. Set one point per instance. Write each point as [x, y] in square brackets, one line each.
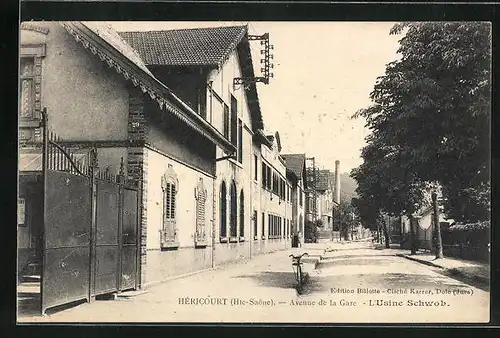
[177, 111]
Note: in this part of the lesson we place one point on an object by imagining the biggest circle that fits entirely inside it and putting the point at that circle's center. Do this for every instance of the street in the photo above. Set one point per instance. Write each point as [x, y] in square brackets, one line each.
[354, 283]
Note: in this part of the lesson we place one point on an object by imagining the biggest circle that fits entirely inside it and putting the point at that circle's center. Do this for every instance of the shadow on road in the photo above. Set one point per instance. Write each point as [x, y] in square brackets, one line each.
[284, 280]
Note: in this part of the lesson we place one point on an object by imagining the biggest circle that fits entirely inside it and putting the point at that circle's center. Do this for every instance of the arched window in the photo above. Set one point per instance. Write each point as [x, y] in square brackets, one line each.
[170, 186]
[200, 194]
[223, 210]
[233, 210]
[242, 214]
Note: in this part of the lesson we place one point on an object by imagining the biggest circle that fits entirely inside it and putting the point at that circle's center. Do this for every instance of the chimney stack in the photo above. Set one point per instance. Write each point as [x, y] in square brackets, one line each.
[337, 181]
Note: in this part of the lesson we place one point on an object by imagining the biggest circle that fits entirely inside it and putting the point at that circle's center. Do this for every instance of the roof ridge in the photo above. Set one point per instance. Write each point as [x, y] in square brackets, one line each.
[181, 29]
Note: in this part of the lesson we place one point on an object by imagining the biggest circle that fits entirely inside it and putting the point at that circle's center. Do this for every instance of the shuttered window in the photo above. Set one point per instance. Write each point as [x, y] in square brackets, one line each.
[223, 211]
[201, 198]
[242, 214]
[263, 226]
[255, 224]
[226, 121]
[240, 141]
[169, 188]
[233, 211]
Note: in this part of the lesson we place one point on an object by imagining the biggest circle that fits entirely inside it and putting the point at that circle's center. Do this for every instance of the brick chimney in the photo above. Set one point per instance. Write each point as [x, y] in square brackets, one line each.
[337, 182]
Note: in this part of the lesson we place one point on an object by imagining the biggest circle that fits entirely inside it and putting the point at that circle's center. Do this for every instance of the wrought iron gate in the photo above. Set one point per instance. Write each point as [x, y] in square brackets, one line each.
[90, 235]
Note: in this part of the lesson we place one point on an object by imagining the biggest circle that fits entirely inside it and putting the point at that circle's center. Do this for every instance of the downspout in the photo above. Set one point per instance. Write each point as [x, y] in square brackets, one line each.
[213, 186]
[213, 217]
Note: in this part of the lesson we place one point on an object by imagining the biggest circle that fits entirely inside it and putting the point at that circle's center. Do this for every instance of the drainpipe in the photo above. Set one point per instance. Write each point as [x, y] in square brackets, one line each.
[213, 219]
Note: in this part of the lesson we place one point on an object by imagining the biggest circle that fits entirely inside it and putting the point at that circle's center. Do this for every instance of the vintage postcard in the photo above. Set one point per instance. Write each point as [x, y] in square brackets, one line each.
[254, 172]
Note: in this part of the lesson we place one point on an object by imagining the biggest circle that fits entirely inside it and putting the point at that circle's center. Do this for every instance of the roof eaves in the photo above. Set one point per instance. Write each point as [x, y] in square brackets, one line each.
[147, 83]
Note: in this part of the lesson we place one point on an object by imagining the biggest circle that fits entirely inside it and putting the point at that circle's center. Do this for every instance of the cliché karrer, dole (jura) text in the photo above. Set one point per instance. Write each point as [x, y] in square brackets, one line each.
[401, 291]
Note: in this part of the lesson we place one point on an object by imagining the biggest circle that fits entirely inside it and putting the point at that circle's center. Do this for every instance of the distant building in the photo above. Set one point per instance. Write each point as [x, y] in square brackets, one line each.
[320, 197]
[296, 175]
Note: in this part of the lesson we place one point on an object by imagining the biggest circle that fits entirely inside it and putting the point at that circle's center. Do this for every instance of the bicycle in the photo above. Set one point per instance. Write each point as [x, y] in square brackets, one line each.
[297, 269]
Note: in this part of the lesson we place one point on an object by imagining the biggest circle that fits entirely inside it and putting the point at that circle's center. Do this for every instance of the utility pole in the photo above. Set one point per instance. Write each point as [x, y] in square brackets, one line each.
[437, 227]
[312, 189]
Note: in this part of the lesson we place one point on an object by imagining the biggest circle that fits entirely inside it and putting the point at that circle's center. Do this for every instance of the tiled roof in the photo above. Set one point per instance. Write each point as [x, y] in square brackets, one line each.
[185, 47]
[323, 182]
[199, 47]
[295, 163]
[324, 178]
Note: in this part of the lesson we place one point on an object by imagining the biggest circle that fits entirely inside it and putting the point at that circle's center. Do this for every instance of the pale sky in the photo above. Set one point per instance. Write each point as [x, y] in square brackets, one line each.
[323, 73]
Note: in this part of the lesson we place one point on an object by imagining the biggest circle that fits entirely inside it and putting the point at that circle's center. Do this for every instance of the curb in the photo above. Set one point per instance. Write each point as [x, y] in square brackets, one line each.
[451, 271]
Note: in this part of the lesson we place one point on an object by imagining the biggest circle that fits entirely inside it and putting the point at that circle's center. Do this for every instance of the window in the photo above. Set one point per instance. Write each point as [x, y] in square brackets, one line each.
[226, 121]
[300, 197]
[242, 214]
[263, 226]
[269, 226]
[234, 120]
[169, 187]
[264, 175]
[21, 212]
[240, 141]
[275, 183]
[256, 168]
[201, 197]
[255, 224]
[232, 215]
[223, 210]
[27, 92]
[269, 178]
[202, 100]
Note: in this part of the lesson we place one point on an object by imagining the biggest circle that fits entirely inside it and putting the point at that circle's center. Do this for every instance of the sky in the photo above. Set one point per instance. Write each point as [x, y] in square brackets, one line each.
[323, 73]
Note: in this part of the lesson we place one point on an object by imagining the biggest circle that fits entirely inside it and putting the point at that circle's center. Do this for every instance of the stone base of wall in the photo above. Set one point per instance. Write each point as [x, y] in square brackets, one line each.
[226, 253]
[162, 265]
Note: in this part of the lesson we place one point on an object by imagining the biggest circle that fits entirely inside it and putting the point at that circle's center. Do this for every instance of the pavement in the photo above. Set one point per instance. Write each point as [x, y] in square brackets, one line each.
[473, 271]
[349, 282]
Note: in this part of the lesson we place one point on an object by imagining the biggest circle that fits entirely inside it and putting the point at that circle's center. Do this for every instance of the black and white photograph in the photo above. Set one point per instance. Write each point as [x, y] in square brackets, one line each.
[254, 172]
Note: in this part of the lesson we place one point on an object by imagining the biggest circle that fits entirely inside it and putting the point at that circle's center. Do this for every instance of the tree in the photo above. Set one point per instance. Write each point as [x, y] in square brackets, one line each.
[384, 185]
[431, 117]
[311, 230]
[346, 218]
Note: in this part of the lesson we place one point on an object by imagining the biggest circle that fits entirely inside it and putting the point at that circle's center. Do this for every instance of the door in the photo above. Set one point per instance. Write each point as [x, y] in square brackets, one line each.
[129, 240]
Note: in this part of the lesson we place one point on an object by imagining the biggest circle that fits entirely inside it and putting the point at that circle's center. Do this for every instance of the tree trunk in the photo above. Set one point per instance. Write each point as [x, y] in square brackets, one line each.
[379, 237]
[386, 235]
[437, 227]
[413, 246]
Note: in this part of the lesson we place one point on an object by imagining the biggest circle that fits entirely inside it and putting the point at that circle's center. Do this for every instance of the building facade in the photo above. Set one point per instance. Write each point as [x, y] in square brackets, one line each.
[205, 80]
[120, 108]
[296, 175]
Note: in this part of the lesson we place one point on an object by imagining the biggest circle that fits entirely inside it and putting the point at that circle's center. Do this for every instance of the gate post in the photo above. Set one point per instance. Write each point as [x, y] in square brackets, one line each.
[45, 152]
[121, 182]
[93, 200]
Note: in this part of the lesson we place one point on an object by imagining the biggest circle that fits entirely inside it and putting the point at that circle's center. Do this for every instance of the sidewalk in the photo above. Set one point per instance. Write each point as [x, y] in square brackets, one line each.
[266, 278]
[472, 270]
[477, 271]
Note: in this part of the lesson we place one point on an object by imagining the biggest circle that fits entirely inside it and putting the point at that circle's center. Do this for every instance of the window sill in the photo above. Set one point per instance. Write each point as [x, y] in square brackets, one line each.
[255, 238]
[242, 238]
[238, 164]
[201, 244]
[233, 239]
[169, 246]
[264, 238]
[223, 239]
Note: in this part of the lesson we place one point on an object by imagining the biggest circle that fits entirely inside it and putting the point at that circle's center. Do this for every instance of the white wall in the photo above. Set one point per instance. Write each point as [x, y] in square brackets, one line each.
[185, 200]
